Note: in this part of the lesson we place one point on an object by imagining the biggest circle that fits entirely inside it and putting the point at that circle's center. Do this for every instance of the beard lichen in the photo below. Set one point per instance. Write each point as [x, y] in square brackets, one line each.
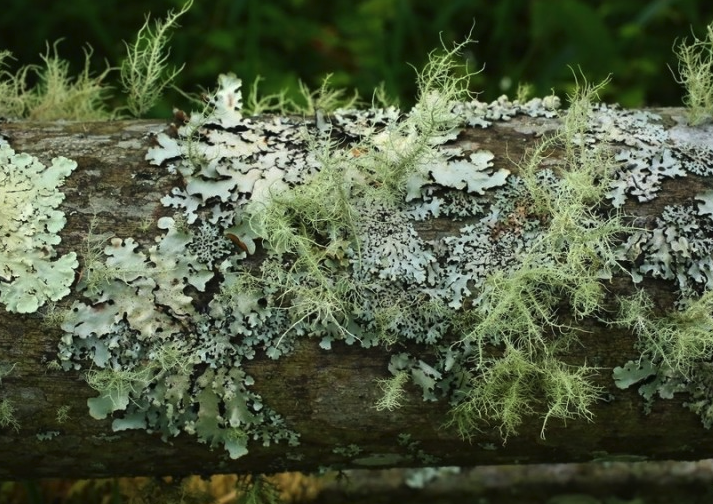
[517, 309]
[695, 70]
[333, 205]
[307, 228]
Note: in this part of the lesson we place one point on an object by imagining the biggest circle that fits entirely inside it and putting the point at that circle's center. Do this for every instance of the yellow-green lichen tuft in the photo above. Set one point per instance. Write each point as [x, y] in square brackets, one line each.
[677, 341]
[695, 70]
[7, 415]
[518, 308]
[56, 95]
[144, 73]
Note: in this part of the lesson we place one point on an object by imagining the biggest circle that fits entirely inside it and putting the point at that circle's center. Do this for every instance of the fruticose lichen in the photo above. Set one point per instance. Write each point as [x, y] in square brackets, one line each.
[30, 272]
[143, 72]
[695, 69]
[62, 414]
[333, 204]
[7, 407]
[55, 95]
[7, 415]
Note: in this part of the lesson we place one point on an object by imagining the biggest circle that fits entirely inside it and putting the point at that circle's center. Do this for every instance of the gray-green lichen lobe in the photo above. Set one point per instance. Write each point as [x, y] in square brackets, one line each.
[31, 272]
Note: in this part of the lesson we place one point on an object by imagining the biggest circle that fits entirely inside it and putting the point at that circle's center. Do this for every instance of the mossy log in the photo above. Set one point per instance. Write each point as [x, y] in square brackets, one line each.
[328, 397]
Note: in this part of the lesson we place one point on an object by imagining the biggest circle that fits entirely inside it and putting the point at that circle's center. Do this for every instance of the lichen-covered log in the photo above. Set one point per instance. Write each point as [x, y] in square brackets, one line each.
[206, 312]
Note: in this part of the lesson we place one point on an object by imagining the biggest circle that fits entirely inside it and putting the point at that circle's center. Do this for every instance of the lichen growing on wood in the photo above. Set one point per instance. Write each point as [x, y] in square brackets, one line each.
[30, 272]
[332, 204]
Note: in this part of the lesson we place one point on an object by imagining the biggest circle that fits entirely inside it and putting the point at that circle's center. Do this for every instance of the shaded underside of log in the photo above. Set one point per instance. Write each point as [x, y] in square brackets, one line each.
[595, 483]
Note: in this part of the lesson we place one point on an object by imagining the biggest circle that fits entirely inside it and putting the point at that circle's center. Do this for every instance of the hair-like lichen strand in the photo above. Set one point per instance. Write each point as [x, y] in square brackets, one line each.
[695, 73]
[287, 228]
[518, 307]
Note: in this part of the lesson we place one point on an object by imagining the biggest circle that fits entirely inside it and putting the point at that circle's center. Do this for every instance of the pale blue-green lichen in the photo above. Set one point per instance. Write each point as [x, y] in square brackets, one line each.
[146, 339]
[343, 262]
[415, 451]
[30, 272]
[676, 348]
[257, 182]
[351, 450]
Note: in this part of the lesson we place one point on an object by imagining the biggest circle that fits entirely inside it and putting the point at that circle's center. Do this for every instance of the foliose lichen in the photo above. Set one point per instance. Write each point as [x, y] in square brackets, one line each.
[47, 436]
[30, 272]
[334, 202]
[676, 348]
[167, 367]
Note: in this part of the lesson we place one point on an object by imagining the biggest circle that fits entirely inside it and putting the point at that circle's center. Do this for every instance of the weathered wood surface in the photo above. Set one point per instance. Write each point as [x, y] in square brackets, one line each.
[326, 396]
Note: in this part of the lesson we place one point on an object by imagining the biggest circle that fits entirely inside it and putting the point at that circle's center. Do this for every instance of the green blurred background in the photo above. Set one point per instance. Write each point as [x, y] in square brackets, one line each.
[366, 42]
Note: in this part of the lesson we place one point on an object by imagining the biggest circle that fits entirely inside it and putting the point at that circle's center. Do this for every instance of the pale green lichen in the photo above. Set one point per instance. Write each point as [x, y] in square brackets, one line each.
[677, 341]
[7, 407]
[695, 69]
[518, 307]
[7, 415]
[516, 386]
[62, 414]
[340, 259]
[56, 95]
[144, 73]
[48, 92]
[6, 369]
[30, 273]
[393, 391]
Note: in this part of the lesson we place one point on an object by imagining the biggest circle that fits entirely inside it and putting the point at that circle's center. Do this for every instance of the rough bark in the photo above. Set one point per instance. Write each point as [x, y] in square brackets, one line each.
[326, 396]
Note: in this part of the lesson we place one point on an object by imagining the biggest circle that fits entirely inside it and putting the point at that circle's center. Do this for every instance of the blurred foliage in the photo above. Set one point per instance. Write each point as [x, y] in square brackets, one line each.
[369, 41]
[219, 489]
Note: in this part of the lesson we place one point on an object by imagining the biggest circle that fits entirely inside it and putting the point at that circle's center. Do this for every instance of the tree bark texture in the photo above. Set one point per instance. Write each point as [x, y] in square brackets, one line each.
[328, 397]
